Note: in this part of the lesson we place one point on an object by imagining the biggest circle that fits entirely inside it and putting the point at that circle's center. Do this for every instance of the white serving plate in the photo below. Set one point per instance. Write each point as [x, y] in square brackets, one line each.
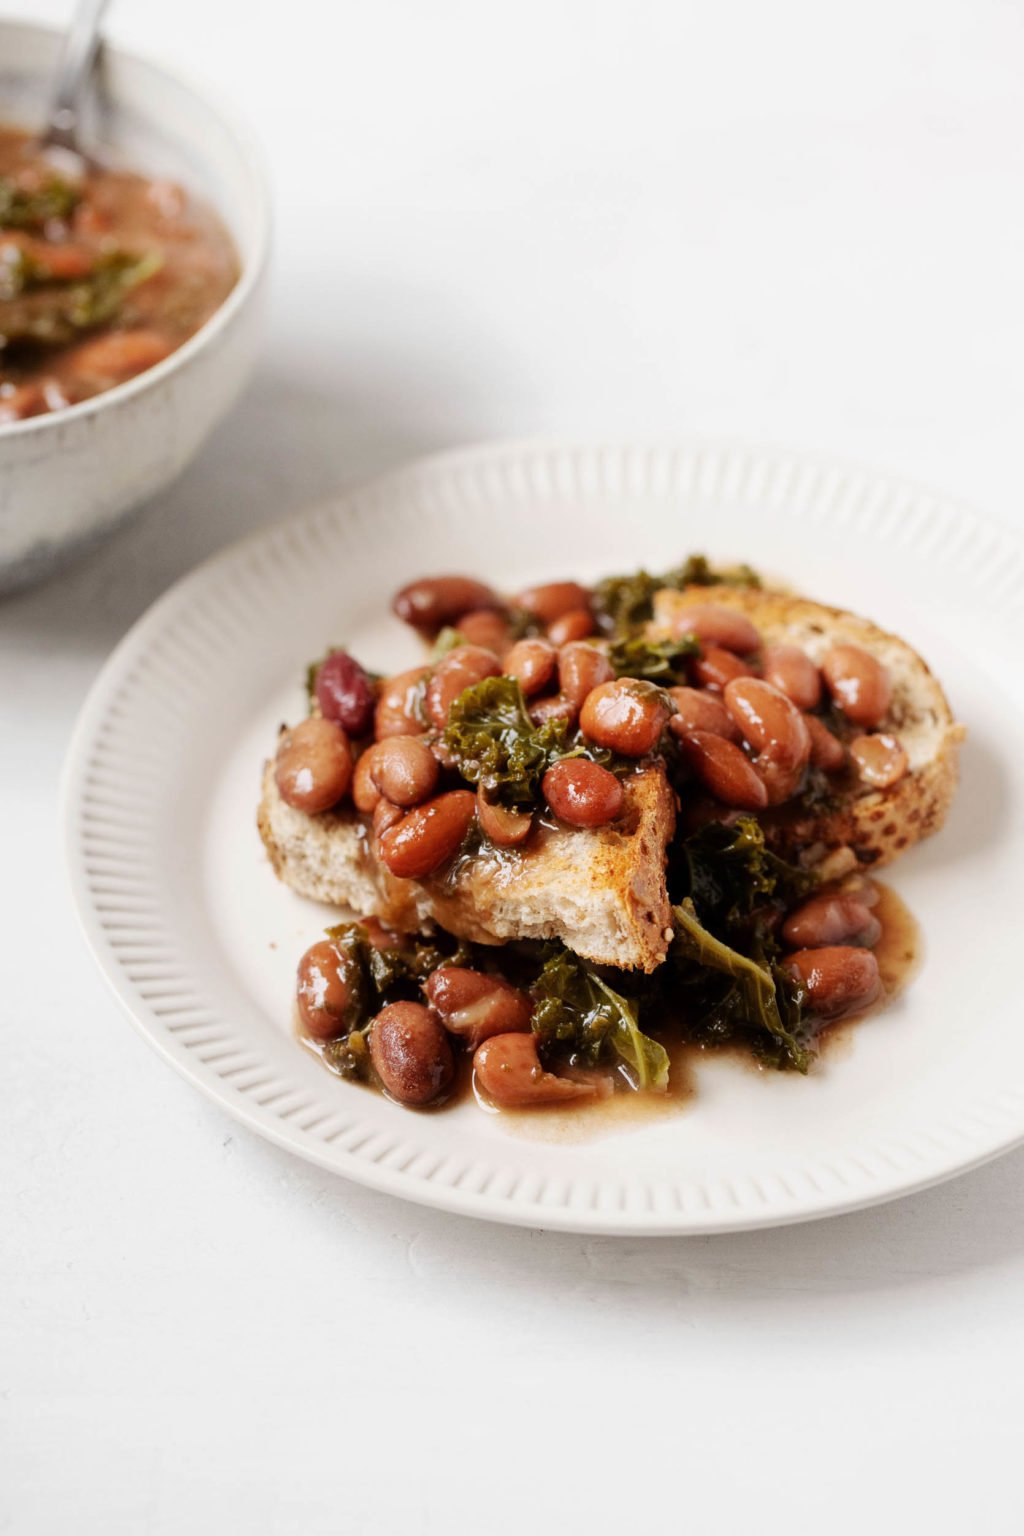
[199, 941]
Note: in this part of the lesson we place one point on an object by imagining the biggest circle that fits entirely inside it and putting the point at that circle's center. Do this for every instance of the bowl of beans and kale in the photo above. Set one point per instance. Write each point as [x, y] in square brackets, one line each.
[593, 827]
[129, 282]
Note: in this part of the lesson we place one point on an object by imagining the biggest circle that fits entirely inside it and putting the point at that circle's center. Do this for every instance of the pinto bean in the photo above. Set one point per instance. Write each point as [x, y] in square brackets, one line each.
[327, 988]
[460, 669]
[715, 626]
[411, 1053]
[475, 1006]
[429, 835]
[881, 760]
[859, 683]
[486, 627]
[832, 917]
[404, 769]
[575, 625]
[385, 816]
[532, 662]
[508, 1070]
[119, 355]
[838, 979]
[792, 672]
[777, 731]
[399, 703]
[697, 710]
[715, 667]
[581, 668]
[553, 599]
[554, 707]
[314, 765]
[365, 793]
[723, 768]
[434, 601]
[582, 793]
[827, 751]
[627, 716]
[505, 828]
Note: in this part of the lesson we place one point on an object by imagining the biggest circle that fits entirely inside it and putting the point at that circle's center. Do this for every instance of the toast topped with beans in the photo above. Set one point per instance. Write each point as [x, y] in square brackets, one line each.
[589, 819]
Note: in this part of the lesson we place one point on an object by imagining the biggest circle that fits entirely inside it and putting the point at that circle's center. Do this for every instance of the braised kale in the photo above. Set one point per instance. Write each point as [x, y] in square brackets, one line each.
[659, 661]
[23, 209]
[576, 1011]
[623, 604]
[492, 741]
[46, 313]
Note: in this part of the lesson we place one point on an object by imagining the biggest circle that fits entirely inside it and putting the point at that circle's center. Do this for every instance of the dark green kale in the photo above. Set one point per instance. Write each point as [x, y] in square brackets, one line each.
[659, 661]
[622, 604]
[21, 209]
[45, 313]
[578, 1013]
[492, 741]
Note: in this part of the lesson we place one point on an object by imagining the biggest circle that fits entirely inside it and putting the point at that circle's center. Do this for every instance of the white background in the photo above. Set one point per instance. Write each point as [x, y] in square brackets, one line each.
[796, 222]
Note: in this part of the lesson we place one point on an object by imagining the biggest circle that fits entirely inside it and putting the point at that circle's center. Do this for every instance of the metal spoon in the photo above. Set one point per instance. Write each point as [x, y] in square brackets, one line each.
[77, 57]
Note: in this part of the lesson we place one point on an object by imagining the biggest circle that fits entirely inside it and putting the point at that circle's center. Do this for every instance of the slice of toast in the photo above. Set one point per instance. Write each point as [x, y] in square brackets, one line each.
[878, 824]
[602, 891]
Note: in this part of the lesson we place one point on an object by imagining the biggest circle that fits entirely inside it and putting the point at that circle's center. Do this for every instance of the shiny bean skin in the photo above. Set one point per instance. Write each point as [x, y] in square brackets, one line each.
[577, 624]
[345, 693]
[434, 601]
[314, 765]
[582, 793]
[777, 731]
[859, 684]
[721, 627]
[385, 816]
[488, 628]
[697, 710]
[581, 668]
[429, 835]
[460, 669]
[881, 760]
[505, 828]
[533, 663]
[792, 672]
[553, 707]
[827, 751]
[411, 1053]
[508, 1070]
[396, 713]
[555, 598]
[831, 918]
[723, 768]
[325, 990]
[627, 716]
[119, 354]
[838, 979]
[365, 793]
[715, 667]
[404, 769]
[476, 1006]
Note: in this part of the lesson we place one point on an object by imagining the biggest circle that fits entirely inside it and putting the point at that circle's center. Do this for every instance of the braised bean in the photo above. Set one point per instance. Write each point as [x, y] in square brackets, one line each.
[314, 765]
[838, 980]
[429, 835]
[20, 401]
[833, 917]
[434, 601]
[379, 936]
[506, 828]
[792, 672]
[476, 1006]
[715, 667]
[582, 793]
[533, 663]
[554, 707]
[404, 769]
[859, 683]
[575, 625]
[385, 816]
[721, 766]
[365, 793]
[399, 704]
[777, 731]
[581, 668]
[328, 986]
[486, 627]
[345, 693]
[508, 1070]
[881, 760]
[697, 710]
[460, 669]
[119, 355]
[551, 600]
[627, 716]
[411, 1053]
[720, 627]
[827, 751]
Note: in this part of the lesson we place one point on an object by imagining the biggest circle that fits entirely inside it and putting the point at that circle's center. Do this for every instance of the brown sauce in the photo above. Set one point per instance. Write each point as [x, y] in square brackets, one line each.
[101, 277]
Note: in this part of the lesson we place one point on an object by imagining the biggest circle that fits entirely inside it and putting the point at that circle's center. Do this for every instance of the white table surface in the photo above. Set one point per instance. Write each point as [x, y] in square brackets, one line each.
[796, 222]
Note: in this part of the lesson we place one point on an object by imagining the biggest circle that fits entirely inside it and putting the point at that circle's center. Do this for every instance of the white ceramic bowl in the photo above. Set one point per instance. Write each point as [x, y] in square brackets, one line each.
[68, 477]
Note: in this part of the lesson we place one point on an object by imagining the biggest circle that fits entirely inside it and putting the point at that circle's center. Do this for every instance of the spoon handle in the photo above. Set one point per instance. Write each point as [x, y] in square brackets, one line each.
[77, 56]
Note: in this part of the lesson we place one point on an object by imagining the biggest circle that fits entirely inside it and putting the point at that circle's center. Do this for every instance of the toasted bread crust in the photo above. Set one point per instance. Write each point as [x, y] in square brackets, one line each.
[602, 891]
[878, 824]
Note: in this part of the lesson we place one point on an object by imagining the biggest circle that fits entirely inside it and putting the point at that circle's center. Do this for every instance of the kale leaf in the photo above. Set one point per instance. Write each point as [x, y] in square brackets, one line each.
[659, 661]
[53, 314]
[492, 741]
[576, 1010]
[623, 604]
[22, 209]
